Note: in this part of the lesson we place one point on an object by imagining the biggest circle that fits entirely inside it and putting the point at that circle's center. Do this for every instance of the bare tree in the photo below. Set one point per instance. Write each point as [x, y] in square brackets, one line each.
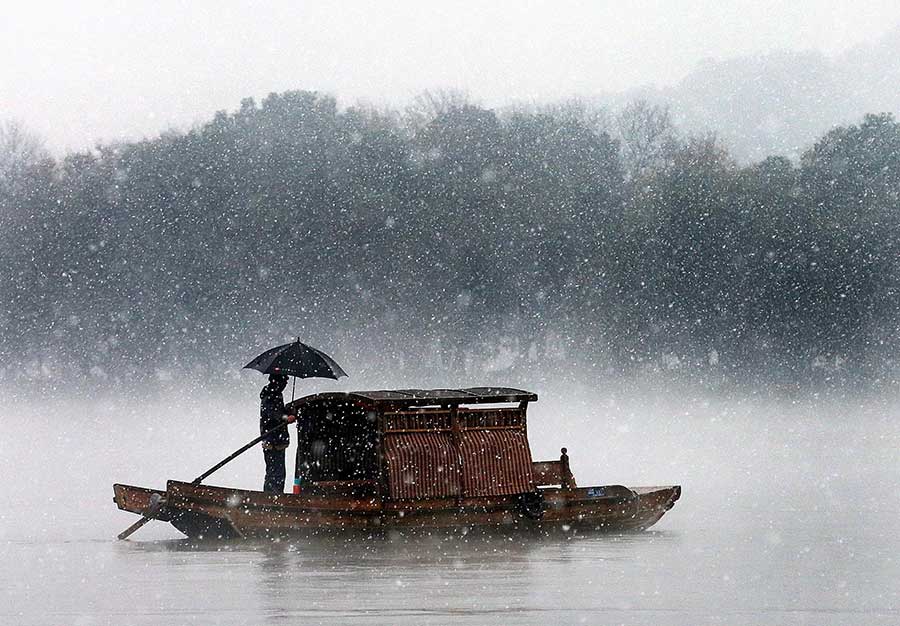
[647, 136]
[430, 105]
[19, 150]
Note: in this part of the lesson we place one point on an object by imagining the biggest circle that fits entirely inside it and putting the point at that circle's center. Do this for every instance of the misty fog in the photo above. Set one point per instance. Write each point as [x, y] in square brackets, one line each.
[678, 224]
[788, 515]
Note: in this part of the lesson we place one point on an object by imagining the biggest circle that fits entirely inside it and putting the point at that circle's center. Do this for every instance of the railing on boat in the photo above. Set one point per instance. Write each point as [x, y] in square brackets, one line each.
[437, 420]
[547, 473]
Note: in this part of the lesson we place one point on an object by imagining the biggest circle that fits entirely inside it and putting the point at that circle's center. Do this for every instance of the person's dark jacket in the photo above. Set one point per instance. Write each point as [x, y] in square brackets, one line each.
[271, 414]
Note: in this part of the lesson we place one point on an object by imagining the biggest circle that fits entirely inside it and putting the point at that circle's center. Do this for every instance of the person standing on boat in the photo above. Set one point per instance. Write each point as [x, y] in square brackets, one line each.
[271, 414]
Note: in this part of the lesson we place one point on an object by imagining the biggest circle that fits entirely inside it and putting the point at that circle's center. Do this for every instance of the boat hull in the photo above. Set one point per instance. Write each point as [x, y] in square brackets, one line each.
[201, 511]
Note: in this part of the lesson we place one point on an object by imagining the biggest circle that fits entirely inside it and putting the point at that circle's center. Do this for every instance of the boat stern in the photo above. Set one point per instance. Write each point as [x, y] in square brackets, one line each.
[139, 500]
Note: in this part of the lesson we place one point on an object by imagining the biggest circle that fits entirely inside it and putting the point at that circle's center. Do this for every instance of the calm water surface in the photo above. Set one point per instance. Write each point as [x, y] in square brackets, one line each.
[789, 516]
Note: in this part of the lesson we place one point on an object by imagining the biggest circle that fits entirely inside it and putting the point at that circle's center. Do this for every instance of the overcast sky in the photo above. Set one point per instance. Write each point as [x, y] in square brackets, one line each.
[86, 71]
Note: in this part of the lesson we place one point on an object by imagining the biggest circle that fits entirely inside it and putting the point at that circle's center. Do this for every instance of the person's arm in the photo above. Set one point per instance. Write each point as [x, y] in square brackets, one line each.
[287, 417]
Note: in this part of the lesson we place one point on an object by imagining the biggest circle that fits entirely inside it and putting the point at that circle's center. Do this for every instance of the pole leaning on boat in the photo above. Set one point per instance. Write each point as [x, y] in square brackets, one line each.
[156, 501]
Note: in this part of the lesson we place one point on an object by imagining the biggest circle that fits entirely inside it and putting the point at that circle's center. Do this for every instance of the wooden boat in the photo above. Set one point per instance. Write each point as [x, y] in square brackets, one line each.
[408, 459]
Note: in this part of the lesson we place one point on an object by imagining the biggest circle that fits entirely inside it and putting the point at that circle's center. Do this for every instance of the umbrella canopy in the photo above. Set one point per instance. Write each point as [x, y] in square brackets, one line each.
[297, 359]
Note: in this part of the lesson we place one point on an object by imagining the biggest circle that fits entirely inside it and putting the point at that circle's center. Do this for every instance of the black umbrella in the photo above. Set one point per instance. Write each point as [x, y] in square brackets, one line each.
[297, 359]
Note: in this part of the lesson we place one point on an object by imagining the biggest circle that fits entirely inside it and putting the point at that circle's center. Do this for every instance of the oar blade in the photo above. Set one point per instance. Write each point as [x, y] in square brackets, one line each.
[156, 503]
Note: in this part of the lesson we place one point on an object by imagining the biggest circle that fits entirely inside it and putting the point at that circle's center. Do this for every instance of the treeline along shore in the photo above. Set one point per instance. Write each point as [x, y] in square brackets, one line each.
[451, 237]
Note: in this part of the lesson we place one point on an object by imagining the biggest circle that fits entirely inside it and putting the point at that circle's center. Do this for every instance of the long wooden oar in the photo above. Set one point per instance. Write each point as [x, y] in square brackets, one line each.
[156, 500]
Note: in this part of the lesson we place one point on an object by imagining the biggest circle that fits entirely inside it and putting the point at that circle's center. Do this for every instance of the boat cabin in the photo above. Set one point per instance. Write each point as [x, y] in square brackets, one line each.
[419, 444]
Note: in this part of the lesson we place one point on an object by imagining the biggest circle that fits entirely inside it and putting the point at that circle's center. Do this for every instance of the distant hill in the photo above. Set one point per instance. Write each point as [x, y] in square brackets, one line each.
[779, 103]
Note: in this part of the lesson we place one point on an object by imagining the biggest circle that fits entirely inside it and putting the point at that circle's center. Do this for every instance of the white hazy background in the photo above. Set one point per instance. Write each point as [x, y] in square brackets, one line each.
[745, 453]
[78, 73]
[790, 511]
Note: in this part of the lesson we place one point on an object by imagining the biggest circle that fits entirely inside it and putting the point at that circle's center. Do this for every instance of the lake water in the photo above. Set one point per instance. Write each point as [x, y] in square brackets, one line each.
[790, 515]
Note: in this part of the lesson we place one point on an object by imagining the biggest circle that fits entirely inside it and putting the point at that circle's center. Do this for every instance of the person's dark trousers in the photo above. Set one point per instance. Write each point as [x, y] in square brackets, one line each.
[274, 471]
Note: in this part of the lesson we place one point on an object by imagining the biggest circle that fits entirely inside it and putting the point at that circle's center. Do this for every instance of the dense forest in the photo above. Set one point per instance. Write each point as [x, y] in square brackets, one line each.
[454, 238]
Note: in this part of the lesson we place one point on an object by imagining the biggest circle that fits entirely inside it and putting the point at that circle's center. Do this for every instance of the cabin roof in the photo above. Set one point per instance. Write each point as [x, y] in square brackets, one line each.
[400, 398]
